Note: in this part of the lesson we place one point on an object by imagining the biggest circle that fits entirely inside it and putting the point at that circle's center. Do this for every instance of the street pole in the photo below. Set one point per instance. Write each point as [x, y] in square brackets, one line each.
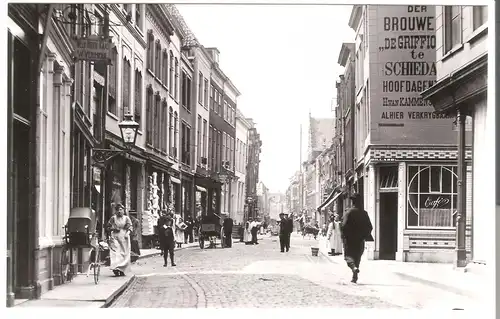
[102, 120]
[461, 256]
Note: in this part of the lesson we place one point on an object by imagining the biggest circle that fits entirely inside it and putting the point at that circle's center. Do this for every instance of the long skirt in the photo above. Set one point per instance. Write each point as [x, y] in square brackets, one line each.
[119, 246]
[179, 236]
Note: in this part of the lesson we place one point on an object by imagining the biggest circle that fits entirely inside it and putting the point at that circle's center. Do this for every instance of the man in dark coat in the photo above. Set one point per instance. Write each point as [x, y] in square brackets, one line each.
[356, 228]
[227, 225]
[188, 232]
[283, 233]
[166, 236]
[289, 223]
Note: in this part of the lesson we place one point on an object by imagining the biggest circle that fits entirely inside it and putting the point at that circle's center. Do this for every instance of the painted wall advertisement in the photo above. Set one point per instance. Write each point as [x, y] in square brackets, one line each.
[406, 51]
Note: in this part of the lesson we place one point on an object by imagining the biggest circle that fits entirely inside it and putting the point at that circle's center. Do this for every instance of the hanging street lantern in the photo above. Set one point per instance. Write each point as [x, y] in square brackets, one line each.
[128, 129]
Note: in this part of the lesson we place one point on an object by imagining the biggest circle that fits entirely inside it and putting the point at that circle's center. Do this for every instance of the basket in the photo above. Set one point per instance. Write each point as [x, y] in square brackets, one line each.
[314, 251]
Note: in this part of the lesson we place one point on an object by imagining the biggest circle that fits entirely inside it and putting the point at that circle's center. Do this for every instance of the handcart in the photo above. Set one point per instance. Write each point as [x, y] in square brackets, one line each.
[80, 232]
[210, 230]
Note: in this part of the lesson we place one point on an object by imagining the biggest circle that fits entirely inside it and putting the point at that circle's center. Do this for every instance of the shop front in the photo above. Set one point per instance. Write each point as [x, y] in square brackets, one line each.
[124, 181]
[413, 211]
[162, 193]
[187, 194]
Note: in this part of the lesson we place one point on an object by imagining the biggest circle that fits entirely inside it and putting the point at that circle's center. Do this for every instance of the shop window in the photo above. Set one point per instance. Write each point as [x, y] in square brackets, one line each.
[388, 177]
[138, 98]
[432, 196]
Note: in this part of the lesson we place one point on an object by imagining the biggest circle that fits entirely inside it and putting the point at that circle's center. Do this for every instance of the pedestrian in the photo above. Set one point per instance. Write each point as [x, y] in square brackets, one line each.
[228, 231]
[254, 228]
[188, 233]
[167, 239]
[134, 237]
[356, 229]
[119, 226]
[334, 236]
[283, 234]
[247, 236]
[289, 223]
[180, 227]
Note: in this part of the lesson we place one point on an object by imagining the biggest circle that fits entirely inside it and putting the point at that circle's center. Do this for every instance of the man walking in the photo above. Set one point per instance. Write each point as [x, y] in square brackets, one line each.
[283, 232]
[254, 228]
[228, 231]
[188, 233]
[167, 240]
[356, 229]
[289, 228]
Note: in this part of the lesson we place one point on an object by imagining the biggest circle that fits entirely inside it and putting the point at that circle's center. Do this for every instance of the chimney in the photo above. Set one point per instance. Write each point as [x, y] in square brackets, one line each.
[214, 54]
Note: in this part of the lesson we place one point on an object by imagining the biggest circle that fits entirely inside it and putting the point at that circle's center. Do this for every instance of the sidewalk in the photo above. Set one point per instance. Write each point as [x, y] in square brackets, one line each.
[469, 283]
[83, 292]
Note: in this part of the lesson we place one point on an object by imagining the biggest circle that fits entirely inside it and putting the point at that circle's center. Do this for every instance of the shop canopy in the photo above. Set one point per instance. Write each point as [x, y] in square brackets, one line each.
[331, 198]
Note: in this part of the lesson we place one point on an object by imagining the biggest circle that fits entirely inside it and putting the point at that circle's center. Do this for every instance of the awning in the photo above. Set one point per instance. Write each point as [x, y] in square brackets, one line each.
[201, 189]
[175, 180]
[331, 198]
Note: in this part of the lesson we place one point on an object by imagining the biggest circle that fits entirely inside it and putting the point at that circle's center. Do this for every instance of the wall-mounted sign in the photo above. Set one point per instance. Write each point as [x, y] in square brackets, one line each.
[405, 66]
[92, 48]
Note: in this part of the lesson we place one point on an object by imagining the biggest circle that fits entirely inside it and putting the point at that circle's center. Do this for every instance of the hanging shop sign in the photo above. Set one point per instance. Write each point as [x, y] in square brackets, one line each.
[92, 48]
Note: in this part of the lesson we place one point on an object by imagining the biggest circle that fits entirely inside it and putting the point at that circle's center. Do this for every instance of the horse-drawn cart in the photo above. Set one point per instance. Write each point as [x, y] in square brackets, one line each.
[210, 230]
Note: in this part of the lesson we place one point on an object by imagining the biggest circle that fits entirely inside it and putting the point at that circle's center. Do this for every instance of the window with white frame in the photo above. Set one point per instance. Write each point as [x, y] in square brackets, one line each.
[432, 196]
[452, 20]
[479, 16]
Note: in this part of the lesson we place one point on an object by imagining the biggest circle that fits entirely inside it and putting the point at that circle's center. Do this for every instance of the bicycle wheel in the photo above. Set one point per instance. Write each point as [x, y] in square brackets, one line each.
[97, 265]
[65, 266]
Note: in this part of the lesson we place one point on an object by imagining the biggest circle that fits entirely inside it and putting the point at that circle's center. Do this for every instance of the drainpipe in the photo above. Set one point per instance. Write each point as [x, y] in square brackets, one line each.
[461, 255]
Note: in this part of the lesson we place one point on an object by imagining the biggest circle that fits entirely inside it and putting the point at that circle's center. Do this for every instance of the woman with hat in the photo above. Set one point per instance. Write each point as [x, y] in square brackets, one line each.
[120, 227]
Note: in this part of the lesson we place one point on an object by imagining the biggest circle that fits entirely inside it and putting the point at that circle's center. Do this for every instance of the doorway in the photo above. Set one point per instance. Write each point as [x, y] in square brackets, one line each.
[388, 225]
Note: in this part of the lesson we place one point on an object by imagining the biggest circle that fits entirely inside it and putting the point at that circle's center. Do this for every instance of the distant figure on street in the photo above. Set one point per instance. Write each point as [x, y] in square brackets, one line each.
[334, 236]
[228, 231]
[289, 223]
[254, 228]
[356, 229]
[134, 237]
[179, 226]
[283, 233]
[188, 233]
[247, 235]
[167, 239]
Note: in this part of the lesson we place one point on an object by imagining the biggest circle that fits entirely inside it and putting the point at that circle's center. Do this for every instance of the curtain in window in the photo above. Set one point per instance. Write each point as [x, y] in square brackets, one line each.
[126, 87]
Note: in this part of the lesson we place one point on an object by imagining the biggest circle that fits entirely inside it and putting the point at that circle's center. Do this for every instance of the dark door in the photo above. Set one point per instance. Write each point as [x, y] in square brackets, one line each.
[20, 100]
[388, 225]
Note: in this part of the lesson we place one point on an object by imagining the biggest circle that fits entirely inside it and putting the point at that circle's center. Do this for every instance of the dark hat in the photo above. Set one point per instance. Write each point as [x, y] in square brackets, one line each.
[282, 214]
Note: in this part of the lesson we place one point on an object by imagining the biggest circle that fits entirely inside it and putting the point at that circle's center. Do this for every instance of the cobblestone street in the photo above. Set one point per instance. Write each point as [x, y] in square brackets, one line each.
[262, 277]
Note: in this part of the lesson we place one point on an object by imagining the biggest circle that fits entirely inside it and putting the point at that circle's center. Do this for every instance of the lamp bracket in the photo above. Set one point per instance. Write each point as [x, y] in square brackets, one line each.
[100, 156]
[70, 14]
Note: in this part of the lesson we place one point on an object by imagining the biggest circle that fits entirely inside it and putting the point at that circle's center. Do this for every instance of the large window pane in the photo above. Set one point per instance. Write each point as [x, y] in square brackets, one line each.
[435, 210]
[412, 179]
[446, 179]
[413, 210]
[424, 179]
[435, 178]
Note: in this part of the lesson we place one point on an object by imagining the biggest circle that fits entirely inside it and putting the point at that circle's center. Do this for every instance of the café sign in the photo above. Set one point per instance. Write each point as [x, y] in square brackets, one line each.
[92, 48]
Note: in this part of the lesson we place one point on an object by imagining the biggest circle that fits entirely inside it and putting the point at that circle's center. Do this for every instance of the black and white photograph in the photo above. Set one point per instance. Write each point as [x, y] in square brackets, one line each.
[255, 155]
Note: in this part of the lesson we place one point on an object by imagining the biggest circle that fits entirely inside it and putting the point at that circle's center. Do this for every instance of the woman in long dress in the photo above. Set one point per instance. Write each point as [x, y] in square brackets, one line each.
[334, 237]
[247, 236]
[120, 227]
[179, 232]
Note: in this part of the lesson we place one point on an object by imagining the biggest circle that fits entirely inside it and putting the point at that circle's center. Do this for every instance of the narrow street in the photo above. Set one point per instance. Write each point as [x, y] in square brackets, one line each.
[261, 276]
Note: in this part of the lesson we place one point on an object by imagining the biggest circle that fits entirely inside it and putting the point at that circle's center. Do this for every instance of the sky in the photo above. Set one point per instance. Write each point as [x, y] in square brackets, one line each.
[283, 60]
